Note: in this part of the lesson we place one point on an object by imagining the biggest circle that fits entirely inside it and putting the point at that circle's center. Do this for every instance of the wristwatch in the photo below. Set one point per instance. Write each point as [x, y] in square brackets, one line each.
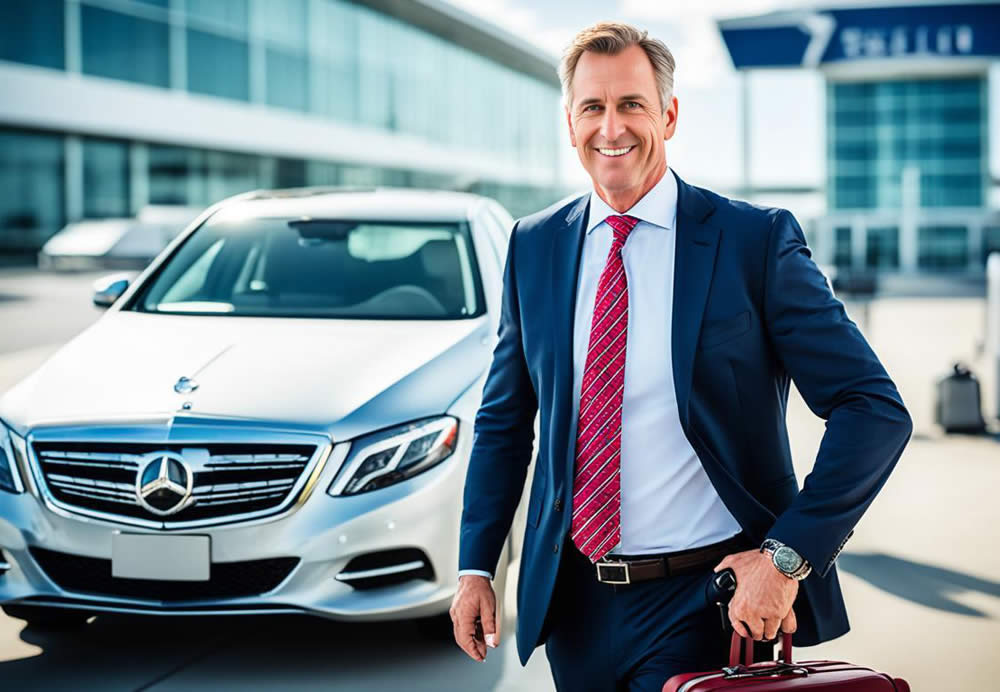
[786, 560]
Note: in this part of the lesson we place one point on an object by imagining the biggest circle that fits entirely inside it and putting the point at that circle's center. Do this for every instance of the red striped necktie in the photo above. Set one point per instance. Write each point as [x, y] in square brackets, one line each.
[596, 527]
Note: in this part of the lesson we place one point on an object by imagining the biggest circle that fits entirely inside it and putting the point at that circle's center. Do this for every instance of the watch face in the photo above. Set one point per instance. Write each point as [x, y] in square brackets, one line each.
[787, 560]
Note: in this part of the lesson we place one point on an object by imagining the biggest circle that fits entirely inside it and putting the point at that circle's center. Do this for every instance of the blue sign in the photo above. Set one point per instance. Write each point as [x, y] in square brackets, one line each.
[809, 38]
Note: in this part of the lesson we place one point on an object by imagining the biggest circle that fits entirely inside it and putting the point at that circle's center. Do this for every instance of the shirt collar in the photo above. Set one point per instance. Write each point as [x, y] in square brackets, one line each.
[657, 207]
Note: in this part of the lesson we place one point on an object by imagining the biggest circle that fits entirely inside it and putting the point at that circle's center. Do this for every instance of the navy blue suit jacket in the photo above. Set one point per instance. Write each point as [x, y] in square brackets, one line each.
[751, 311]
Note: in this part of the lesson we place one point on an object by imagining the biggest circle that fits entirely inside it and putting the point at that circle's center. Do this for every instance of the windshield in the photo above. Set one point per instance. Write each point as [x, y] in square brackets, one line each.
[319, 268]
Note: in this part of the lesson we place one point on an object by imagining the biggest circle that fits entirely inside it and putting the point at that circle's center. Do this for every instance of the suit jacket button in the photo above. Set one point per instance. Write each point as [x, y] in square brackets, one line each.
[555, 548]
[558, 504]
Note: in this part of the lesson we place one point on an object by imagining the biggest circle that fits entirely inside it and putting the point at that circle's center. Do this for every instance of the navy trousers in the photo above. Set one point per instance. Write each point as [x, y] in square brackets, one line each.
[605, 638]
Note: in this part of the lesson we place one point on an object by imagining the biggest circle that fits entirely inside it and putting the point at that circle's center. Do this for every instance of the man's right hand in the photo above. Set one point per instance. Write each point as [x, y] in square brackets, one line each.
[474, 601]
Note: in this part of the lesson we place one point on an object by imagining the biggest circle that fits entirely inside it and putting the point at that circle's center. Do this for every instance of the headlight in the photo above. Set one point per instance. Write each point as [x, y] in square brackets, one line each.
[10, 479]
[392, 455]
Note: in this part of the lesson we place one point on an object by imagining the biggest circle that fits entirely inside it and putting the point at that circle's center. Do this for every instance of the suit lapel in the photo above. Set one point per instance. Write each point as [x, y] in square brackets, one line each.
[694, 263]
[567, 246]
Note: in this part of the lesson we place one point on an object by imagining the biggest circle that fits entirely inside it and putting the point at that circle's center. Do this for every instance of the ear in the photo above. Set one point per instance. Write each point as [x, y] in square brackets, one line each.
[670, 119]
[569, 124]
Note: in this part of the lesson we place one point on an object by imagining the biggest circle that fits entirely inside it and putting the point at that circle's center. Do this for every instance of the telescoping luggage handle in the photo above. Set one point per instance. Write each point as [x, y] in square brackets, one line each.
[782, 666]
[738, 644]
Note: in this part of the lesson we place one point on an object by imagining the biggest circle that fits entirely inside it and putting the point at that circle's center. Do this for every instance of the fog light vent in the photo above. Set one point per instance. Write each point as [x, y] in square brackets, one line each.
[386, 568]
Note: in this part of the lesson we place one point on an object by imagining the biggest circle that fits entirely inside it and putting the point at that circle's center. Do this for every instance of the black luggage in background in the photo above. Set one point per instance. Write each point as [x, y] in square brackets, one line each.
[958, 402]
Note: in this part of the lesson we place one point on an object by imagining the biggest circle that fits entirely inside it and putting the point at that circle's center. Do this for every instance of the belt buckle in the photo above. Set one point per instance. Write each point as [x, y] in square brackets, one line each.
[617, 568]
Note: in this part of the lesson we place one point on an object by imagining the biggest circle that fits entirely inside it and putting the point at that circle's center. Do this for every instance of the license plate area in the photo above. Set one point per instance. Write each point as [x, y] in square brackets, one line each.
[148, 556]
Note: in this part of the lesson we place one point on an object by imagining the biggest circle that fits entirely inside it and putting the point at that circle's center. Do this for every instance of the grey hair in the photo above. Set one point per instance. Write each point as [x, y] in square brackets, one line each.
[611, 38]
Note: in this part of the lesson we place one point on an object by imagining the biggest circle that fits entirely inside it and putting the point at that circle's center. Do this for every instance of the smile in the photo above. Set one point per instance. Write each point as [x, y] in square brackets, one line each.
[616, 152]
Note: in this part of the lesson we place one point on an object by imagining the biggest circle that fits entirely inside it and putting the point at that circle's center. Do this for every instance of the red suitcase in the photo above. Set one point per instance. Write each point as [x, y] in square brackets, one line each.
[784, 675]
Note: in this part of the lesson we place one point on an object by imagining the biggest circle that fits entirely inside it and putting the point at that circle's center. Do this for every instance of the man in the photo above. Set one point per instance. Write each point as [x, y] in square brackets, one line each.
[655, 326]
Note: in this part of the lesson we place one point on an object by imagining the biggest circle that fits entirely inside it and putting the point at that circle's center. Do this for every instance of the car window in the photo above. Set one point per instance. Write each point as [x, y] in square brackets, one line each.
[319, 268]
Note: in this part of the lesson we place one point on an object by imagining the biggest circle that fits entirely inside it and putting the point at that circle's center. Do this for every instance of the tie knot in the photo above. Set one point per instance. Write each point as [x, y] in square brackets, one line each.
[622, 225]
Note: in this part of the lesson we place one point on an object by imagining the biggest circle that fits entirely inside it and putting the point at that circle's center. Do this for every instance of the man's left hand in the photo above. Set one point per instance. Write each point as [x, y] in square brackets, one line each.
[764, 596]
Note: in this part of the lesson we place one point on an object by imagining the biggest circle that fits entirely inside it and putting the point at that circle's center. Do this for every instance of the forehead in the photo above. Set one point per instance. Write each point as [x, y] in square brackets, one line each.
[630, 71]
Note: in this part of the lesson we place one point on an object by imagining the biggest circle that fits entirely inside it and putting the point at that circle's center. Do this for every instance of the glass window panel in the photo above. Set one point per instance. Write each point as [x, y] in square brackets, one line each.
[280, 21]
[942, 247]
[882, 248]
[287, 80]
[169, 170]
[123, 47]
[217, 175]
[217, 66]
[230, 14]
[105, 178]
[842, 247]
[32, 32]
[934, 125]
[290, 173]
[31, 189]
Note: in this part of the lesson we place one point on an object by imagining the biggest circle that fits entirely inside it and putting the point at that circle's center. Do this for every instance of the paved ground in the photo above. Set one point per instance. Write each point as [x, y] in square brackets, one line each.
[920, 575]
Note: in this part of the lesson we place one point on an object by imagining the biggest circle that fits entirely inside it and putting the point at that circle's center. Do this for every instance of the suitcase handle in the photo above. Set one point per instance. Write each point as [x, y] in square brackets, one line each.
[739, 645]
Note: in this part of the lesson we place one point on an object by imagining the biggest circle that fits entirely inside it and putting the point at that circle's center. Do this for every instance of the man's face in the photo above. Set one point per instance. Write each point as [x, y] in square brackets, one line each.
[616, 121]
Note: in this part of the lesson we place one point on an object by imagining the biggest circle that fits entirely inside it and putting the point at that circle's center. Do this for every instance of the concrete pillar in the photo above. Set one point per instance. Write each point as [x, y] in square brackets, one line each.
[138, 171]
[859, 242]
[974, 239]
[178, 46]
[908, 218]
[73, 172]
[993, 325]
[71, 21]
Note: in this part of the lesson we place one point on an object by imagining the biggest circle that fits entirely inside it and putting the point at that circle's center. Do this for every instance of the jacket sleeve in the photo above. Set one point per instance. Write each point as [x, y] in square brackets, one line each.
[503, 438]
[843, 382]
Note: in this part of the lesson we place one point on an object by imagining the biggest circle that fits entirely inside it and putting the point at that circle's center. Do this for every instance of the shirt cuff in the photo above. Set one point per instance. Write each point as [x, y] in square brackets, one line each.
[478, 572]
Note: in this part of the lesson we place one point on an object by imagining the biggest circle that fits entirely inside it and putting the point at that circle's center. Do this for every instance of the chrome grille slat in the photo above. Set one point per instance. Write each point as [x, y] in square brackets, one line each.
[89, 483]
[254, 467]
[238, 487]
[98, 477]
[212, 502]
[108, 458]
[109, 497]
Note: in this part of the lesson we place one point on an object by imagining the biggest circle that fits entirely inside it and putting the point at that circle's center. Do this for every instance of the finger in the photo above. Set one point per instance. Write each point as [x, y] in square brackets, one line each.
[740, 628]
[726, 561]
[771, 628]
[789, 624]
[464, 621]
[487, 610]
[756, 627]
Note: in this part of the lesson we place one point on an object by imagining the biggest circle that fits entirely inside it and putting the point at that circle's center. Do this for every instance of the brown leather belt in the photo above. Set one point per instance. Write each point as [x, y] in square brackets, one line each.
[626, 569]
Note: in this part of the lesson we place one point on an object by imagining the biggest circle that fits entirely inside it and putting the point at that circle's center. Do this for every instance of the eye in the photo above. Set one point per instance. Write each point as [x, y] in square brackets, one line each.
[632, 105]
[591, 108]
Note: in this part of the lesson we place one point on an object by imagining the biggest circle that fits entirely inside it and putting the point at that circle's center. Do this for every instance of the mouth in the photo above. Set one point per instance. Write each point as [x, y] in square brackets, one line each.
[614, 153]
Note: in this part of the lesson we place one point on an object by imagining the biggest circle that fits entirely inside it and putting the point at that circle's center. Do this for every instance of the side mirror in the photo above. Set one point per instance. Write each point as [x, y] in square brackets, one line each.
[108, 289]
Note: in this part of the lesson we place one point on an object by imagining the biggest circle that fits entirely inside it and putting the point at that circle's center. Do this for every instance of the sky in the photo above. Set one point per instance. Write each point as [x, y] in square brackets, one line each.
[787, 141]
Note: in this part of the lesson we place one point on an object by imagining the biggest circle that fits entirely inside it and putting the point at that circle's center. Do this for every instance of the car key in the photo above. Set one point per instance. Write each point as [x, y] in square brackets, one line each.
[720, 590]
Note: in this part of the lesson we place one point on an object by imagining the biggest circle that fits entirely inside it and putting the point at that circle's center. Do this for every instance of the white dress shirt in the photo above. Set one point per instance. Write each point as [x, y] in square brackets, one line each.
[667, 501]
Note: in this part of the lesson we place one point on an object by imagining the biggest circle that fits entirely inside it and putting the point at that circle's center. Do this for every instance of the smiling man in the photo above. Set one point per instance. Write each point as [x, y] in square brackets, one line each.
[656, 327]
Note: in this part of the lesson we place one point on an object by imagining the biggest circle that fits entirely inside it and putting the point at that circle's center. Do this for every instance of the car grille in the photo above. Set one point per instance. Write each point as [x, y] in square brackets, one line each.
[228, 579]
[229, 480]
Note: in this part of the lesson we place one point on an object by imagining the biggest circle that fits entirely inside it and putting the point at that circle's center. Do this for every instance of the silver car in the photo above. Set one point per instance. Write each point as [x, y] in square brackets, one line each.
[274, 417]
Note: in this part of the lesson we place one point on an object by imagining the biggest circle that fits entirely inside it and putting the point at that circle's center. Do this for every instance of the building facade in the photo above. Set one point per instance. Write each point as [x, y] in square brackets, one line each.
[908, 181]
[109, 105]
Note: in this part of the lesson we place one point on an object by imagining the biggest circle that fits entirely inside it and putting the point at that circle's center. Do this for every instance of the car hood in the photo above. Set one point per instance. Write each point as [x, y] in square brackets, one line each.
[341, 376]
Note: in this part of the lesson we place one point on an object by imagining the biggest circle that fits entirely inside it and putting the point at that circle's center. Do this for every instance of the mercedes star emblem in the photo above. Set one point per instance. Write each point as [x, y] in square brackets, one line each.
[164, 484]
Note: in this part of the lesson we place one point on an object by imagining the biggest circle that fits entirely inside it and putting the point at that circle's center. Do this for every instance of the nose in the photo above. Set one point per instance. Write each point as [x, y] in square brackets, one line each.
[611, 126]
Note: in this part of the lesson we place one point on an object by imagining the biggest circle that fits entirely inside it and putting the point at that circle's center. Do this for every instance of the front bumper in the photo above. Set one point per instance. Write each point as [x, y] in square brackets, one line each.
[323, 533]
